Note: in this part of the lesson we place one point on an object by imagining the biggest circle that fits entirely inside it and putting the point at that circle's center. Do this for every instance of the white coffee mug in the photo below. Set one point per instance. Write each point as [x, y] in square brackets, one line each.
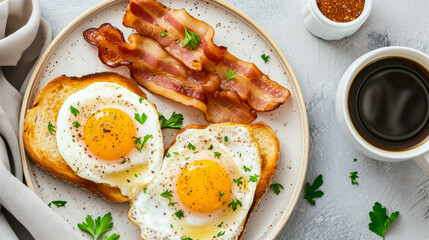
[419, 153]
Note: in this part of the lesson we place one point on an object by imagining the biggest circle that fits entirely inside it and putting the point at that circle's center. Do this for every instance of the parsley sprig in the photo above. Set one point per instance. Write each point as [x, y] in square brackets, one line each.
[311, 191]
[140, 118]
[191, 147]
[265, 57]
[51, 128]
[175, 121]
[139, 144]
[276, 188]
[353, 176]
[379, 220]
[254, 178]
[234, 204]
[74, 111]
[76, 124]
[58, 203]
[179, 214]
[192, 39]
[230, 75]
[238, 181]
[98, 227]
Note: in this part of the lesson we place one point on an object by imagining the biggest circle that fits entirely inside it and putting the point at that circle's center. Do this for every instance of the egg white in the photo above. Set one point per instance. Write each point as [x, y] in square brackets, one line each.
[126, 173]
[152, 213]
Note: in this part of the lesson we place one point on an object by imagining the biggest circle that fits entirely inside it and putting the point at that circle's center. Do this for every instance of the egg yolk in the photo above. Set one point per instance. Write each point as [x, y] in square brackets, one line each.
[204, 186]
[109, 134]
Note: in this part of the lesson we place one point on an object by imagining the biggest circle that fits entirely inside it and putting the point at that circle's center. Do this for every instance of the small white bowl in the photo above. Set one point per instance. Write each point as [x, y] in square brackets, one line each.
[421, 152]
[322, 27]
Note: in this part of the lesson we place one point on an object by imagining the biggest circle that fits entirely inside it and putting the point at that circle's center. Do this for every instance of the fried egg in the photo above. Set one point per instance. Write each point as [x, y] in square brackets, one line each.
[205, 187]
[108, 134]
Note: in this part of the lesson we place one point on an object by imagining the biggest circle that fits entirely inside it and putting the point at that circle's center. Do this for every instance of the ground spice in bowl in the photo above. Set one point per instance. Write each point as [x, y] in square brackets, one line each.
[341, 10]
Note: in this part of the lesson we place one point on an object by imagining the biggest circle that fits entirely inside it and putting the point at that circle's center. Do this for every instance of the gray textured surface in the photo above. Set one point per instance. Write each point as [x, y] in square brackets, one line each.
[342, 213]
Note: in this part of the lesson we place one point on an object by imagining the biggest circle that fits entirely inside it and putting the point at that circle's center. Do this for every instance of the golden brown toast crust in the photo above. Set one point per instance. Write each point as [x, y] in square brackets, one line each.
[41, 146]
[269, 149]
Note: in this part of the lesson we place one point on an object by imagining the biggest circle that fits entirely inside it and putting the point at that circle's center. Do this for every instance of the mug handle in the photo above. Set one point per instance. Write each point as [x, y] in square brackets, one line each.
[423, 162]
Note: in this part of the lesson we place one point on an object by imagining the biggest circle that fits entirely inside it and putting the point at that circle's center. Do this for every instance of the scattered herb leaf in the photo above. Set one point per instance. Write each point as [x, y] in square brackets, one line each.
[192, 39]
[379, 220]
[246, 169]
[234, 204]
[51, 128]
[163, 34]
[191, 147]
[220, 233]
[217, 154]
[238, 181]
[211, 147]
[76, 124]
[141, 119]
[58, 203]
[139, 144]
[175, 121]
[230, 75]
[310, 190]
[254, 178]
[98, 227]
[179, 214]
[353, 176]
[74, 111]
[276, 187]
[265, 57]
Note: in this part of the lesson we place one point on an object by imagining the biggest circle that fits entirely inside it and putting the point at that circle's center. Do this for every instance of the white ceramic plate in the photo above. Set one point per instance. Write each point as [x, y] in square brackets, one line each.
[71, 55]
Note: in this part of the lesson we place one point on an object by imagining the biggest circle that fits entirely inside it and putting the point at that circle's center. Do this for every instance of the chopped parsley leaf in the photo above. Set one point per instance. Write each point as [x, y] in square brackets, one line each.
[74, 111]
[191, 147]
[230, 75]
[355, 160]
[135, 175]
[379, 220]
[179, 214]
[353, 176]
[211, 147]
[141, 119]
[246, 169]
[240, 155]
[188, 238]
[163, 34]
[196, 152]
[98, 227]
[225, 138]
[276, 188]
[192, 39]
[310, 190]
[220, 225]
[254, 178]
[144, 190]
[175, 121]
[167, 194]
[124, 161]
[141, 100]
[171, 225]
[217, 154]
[139, 144]
[187, 158]
[58, 203]
[221, 194]
[220, 233]
[76, 124]
[51, 128]
[265, 57]
[238, 181]
[176, 153]
[168, 155]
[234, 204]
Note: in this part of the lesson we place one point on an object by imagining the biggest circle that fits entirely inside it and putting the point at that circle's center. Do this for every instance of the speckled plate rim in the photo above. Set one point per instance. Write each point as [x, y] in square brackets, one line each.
[298, 94]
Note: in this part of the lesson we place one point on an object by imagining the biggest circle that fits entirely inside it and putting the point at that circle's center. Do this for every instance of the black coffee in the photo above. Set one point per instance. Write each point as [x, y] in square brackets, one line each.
[389, 103]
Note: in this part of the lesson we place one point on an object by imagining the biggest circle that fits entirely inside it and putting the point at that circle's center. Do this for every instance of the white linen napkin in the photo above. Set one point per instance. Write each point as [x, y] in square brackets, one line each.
[23, 35]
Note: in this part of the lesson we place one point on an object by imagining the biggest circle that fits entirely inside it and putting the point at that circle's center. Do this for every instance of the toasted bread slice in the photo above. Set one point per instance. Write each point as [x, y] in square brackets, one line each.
[269, 149]
[41, 146]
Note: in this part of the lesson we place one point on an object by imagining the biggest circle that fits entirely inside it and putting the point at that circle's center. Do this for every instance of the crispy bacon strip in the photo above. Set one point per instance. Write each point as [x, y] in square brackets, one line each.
[150, 18]
[155, 69]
